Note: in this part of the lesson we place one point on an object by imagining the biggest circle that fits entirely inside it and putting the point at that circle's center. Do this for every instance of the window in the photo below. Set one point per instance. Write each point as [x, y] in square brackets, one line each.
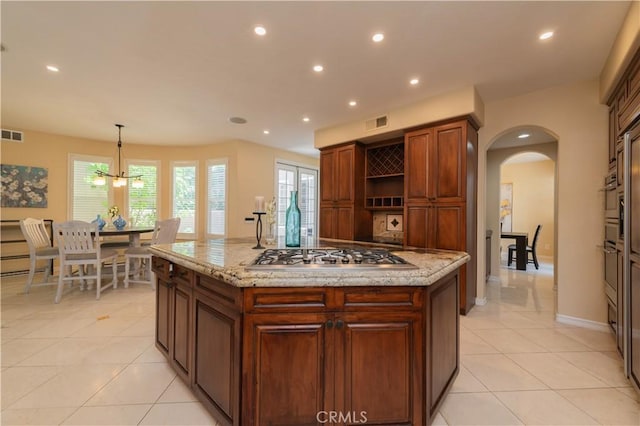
[184, 180]
[304, 180]
[142, 203]
[216, 196]
[87, 200]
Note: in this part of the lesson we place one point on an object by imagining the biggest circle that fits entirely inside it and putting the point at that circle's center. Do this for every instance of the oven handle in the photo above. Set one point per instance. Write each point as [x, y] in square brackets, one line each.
[606, 249]
[608, 187]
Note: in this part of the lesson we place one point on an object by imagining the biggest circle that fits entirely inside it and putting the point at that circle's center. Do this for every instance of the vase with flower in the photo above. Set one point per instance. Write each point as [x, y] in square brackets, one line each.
[116, 218]
[271, 221]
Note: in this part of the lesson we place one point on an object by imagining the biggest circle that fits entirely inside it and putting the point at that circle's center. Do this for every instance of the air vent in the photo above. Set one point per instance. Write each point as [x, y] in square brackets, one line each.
[376, 123]
[12, 135]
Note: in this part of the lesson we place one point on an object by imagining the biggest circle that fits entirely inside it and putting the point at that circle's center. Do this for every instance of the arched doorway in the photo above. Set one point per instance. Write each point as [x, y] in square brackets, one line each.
[528, 154]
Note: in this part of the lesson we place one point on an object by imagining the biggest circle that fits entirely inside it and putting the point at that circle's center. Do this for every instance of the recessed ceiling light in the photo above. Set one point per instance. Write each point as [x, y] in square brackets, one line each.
[266, 132]
[53, 68]
[237, 120]
[377, 37]
[545, 36]
[523, 135]
[305, 119]
[260, 30]
[353, 103]
[318, 68]
[414, 81]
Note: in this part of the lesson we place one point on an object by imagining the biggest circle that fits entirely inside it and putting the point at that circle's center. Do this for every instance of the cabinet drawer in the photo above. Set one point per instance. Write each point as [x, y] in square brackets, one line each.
[182, 275]
[161, 267]
[368, 297]
[287, 299]
[221, 292]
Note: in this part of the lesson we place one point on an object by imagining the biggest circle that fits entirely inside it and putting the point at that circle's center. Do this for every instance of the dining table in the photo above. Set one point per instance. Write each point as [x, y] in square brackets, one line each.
[522, 238]
[133, 232]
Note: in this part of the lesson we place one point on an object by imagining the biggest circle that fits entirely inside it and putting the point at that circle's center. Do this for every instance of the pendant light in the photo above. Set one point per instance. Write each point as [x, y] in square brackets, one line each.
[120, 179]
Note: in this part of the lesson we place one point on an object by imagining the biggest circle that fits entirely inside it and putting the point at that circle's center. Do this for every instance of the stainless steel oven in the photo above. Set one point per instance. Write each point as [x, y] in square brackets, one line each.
[610, 196]
[611, 272]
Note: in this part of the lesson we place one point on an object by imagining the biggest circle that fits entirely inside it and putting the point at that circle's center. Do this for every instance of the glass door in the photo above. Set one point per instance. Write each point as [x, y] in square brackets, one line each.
[305, 181]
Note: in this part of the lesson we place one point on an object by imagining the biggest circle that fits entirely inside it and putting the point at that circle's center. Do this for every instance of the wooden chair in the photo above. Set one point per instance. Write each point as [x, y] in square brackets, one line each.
[530, 249]
[79, 245]
[164, 233]
[40, 248]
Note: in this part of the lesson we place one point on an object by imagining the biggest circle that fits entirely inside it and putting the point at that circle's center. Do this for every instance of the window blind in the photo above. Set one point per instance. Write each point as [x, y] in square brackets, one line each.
[142, 202]
[216, 196]
[86, 199]
[184, 196]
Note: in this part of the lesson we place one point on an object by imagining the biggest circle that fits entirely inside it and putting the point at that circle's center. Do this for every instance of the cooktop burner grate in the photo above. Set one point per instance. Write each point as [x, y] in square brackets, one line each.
[332, 258]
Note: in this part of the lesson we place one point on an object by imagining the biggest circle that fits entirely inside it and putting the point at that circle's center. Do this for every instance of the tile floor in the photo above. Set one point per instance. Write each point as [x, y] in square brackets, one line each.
[87, 362]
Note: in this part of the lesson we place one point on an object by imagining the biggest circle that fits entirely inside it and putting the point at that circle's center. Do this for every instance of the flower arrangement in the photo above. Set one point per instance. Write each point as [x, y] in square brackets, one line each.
[113, 211]
[271, 211]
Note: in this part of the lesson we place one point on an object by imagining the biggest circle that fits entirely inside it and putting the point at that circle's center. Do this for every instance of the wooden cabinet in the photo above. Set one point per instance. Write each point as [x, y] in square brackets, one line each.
[342, 212]
[283, 355]
[440, 194]
[174, 315]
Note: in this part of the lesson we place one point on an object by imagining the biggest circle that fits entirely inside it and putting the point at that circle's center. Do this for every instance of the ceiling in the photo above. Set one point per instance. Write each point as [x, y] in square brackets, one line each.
[175, 72]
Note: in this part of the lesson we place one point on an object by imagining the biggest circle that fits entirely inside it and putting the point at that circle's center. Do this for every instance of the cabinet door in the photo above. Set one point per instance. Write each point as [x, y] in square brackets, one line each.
[448, 170]
[634, 317]
[613, 136]
[163, 316]
[344, 223]
[217, 357]
[327, 176]
[417, 221]
[448, 227]
[378, 377]
[181, 330]
[289, 366]
[416, 162]
[344, 174]
[328, 222]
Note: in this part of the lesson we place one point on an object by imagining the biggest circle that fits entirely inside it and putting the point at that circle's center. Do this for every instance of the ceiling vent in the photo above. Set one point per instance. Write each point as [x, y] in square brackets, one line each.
[376, 123]
[12, 135]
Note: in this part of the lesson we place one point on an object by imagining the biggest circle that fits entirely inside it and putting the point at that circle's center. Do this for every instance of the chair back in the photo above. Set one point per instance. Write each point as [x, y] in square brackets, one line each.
[165, 231]
[77, 237]
[35, 232]
[535, 236]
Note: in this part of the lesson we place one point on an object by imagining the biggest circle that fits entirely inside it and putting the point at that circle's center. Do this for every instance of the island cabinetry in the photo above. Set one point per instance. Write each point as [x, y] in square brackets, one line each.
[351, 350]
[342, 212]
[218, 348]
[440, 194]
[286, 355]
[174, 319]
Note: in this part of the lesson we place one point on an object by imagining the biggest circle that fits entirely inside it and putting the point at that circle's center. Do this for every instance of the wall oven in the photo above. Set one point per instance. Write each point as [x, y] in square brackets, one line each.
[611, 196]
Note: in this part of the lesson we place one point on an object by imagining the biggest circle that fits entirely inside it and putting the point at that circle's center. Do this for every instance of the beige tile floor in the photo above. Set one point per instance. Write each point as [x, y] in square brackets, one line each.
[87, 362]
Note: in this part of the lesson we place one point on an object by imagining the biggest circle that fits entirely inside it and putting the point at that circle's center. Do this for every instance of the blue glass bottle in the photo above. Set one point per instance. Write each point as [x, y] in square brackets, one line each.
[292, 227]
[119, 223]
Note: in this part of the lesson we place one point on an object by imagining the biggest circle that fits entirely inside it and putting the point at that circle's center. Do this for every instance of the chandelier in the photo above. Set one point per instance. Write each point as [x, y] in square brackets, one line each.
[120, 179]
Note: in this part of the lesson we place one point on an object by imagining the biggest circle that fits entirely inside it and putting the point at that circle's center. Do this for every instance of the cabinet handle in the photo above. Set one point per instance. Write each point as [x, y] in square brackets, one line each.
[329, 324]
[339, 324]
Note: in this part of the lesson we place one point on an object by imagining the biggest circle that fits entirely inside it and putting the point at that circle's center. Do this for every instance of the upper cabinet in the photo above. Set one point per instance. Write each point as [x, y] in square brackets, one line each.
[342, 212]
[435, 163]
[385, 176]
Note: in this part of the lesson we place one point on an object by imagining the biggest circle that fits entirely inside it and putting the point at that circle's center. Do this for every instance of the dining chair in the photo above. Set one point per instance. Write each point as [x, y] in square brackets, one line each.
[165, 232]
[40, 248]
[531, 249]
[79, 245]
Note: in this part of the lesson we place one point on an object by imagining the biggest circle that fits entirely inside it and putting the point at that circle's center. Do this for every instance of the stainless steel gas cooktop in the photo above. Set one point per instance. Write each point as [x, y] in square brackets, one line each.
[357, 258]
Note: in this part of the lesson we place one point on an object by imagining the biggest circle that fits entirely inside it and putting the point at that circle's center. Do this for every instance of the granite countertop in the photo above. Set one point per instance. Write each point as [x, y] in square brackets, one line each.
[226, 259]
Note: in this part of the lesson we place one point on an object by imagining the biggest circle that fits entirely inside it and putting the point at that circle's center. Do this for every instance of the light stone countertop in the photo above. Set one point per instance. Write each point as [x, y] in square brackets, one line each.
[226, 259]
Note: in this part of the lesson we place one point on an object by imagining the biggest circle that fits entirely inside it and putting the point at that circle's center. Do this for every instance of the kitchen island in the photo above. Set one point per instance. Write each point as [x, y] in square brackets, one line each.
[310, 346]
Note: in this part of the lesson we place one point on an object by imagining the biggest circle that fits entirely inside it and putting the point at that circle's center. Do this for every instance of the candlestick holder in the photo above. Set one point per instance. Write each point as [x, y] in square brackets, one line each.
[259, 229]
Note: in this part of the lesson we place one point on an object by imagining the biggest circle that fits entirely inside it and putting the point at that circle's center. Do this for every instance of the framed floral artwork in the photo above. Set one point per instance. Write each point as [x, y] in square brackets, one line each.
[24, 186]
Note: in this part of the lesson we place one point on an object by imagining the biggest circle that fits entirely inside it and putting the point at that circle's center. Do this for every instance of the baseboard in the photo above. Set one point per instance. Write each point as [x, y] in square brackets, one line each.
[481, 301]
[580, 322]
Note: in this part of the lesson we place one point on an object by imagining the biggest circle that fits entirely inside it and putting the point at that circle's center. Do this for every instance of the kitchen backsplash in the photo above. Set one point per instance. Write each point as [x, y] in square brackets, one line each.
[387, 227]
